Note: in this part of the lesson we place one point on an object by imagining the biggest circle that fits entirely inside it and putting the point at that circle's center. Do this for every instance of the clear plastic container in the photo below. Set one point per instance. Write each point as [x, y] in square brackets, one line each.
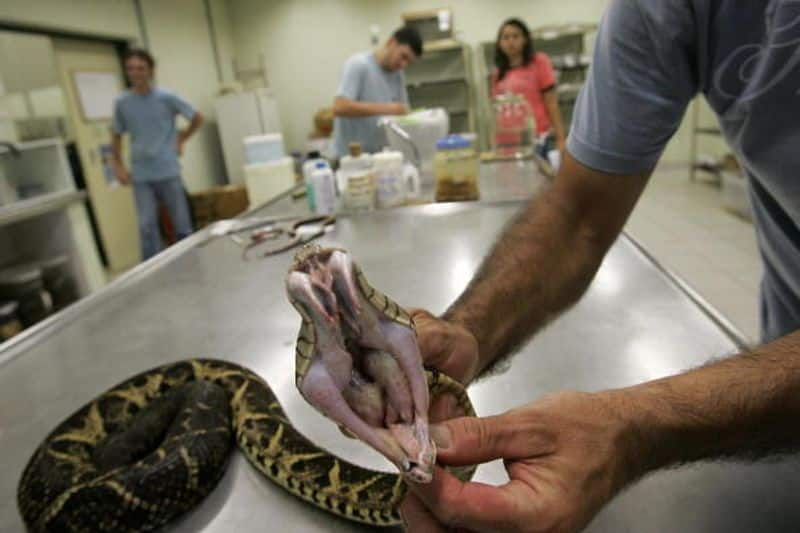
[456, 170]
[422, 128]
[389, 182]
[513, 126]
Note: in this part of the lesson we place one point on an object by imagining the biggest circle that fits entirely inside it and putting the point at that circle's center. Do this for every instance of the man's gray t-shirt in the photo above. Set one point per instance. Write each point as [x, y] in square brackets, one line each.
[364, 80]
[651, 58]
[150, 120]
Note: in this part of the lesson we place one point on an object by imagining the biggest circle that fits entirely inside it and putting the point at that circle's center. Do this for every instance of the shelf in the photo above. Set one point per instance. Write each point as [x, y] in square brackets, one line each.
[570, 62]
[32, 145]
[554, 32]
[33, 207]
[442, 45]
[708, 131]
[442, 81]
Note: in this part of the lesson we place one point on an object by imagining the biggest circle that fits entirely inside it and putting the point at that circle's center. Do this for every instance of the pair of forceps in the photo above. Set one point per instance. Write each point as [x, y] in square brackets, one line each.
[288, 234]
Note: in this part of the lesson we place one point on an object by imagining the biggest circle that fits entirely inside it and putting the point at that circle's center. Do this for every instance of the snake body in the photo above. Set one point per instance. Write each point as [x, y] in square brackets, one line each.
[152, 447]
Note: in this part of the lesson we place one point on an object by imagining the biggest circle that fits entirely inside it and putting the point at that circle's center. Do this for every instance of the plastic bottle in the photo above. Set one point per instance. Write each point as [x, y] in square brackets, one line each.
[390, 185]
[312, 159]
[356, 162]
[356, 180]
[324, 191]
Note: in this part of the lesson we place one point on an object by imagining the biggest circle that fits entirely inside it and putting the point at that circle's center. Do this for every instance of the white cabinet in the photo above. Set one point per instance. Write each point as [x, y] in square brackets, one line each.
[240, 115]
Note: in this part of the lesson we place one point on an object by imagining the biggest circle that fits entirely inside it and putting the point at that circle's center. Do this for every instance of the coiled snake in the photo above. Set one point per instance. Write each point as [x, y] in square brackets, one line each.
[152, 447]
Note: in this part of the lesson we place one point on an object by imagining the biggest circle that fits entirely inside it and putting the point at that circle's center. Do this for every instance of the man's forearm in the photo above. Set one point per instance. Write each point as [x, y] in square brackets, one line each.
[351, 108]
[546, 258]
[540, 265]
[551, 101]
[746, 406]
[116, 148]
[194, 125]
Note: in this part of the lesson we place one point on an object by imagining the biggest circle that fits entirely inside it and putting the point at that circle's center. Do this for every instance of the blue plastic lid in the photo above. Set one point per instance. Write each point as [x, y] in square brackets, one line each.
[452, 142]
[321, 164]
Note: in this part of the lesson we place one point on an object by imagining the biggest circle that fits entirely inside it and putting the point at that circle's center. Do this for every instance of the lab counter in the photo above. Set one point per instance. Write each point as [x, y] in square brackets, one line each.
[201, 299]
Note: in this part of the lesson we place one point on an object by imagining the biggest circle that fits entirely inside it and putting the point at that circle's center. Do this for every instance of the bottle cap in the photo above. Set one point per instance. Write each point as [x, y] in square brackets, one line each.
[452, 142]
[354, 148]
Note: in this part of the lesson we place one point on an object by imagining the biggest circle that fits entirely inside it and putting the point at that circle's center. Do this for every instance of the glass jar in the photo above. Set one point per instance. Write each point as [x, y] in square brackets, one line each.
[24, 284]
[513, 126]
[58, 281]
[9, 321]
[456, 170]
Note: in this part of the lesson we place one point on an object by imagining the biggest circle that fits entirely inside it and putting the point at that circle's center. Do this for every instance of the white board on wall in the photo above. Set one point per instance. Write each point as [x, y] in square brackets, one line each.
[96, 93]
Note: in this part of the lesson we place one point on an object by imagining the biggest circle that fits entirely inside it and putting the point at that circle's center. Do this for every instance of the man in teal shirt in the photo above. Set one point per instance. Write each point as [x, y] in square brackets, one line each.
[148, 114]
[373, 85]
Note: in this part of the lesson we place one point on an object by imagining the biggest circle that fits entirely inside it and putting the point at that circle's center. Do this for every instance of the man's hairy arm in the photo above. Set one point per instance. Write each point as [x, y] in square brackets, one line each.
[119, 165]
[545, 259]
[344, 107]
[569, 453]
[745, 407]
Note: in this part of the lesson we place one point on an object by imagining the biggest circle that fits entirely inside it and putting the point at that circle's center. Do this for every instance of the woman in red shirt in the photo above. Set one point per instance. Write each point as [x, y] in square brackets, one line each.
[523, 71]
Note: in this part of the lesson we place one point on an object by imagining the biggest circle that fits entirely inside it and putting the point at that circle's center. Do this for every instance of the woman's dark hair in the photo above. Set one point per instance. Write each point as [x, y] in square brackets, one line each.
[501, 60]
[139, 53]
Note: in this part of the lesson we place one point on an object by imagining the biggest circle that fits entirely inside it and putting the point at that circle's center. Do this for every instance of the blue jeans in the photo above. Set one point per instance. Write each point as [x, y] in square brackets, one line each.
[169, 193]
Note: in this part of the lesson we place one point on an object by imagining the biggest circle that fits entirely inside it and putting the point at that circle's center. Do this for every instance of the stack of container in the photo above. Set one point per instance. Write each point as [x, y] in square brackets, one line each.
[268, 172]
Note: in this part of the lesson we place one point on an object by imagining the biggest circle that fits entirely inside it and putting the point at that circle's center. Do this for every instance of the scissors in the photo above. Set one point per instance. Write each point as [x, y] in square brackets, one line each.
[291, 234]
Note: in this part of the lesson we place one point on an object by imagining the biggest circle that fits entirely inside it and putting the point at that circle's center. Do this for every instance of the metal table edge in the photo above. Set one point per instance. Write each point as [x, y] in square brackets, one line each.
[728, 328]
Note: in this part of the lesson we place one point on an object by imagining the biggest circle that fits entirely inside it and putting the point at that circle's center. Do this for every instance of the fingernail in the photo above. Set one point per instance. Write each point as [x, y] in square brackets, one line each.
[441, 436]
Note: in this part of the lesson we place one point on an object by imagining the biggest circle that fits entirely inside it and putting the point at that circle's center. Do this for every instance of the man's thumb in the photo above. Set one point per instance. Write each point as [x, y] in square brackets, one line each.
[471, 440]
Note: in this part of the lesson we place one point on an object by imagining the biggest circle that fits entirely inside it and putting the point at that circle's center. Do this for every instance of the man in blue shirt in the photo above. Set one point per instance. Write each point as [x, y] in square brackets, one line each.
[568, 454]
[373, 85]
[148, 114]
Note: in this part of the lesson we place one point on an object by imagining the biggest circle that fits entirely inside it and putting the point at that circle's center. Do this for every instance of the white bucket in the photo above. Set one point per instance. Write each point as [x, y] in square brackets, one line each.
[265, 181]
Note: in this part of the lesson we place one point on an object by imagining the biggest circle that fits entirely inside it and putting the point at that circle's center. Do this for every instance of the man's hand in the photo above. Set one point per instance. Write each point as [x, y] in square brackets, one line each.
[123, 176]
[448, 347]
[564, 457]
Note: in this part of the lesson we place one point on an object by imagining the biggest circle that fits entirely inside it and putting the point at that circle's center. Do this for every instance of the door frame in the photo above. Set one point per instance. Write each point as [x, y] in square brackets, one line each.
[120, 43]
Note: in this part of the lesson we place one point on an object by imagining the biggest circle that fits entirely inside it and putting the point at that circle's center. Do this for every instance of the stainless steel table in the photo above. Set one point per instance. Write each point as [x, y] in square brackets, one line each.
[200, 299]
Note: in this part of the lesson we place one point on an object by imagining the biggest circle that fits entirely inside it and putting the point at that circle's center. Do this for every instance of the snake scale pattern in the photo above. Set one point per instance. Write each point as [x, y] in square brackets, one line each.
[152, 447]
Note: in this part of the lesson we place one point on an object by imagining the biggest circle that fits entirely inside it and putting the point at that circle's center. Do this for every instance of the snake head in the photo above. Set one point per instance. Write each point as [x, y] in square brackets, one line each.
[358, 362]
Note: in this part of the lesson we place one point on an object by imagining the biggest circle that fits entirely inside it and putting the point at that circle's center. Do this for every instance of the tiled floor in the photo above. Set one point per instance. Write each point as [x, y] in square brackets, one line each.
[685, 227]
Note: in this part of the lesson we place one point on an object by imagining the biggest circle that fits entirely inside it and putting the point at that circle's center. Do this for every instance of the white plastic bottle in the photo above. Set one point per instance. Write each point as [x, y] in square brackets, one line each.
[388, 168]
[355, 160]
[308, 167]
[355, 180]
[324, 191]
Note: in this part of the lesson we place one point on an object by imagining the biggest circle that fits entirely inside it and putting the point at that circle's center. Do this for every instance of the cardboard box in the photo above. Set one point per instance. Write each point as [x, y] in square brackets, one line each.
[218, 203]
